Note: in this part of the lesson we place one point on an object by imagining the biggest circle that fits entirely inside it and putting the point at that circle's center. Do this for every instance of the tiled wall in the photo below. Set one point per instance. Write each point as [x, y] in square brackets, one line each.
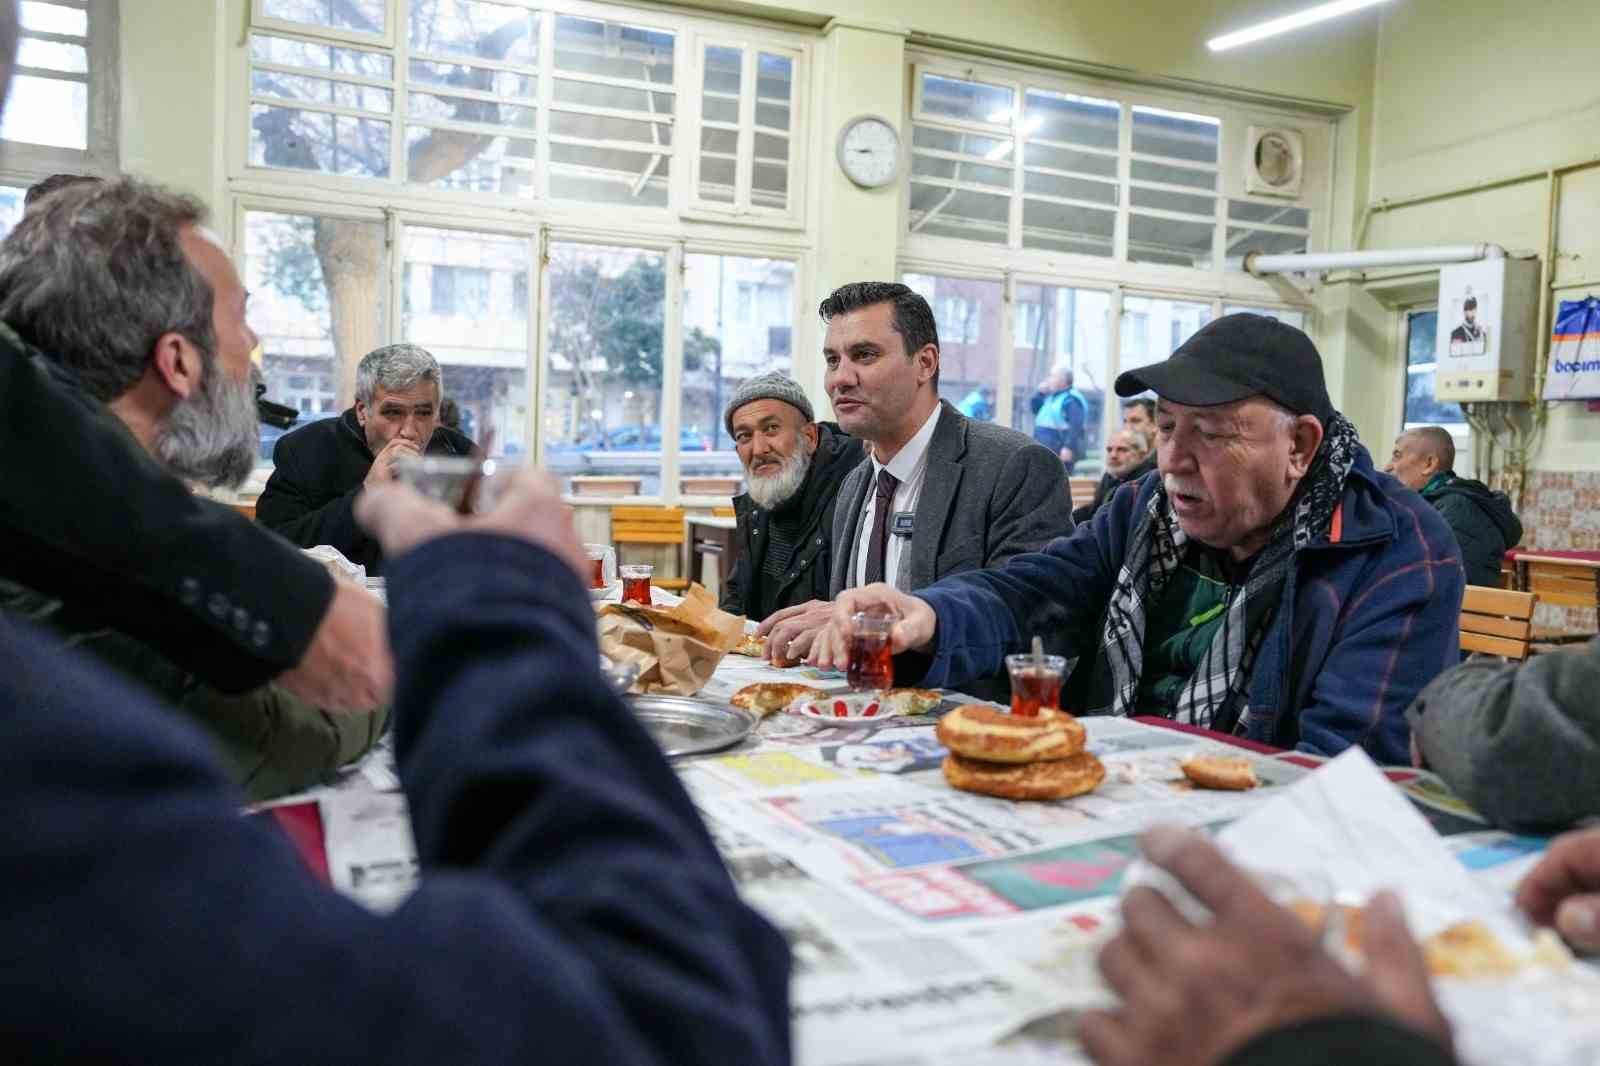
[1561, 510]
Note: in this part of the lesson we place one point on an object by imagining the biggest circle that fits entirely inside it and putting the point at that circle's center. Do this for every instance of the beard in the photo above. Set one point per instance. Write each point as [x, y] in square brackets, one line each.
[211, 437]
[775, 490]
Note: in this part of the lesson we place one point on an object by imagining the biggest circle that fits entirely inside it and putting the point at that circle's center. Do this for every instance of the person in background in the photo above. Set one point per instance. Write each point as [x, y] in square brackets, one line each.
[793, 467]
[1270, 583]
[1482, 520]
[1519, 742]
[145, 921]
[978, 404]
[1140, 413]
[320, 468]
[1129, 457]
[1060, 413]
[189, 401]
[941, 493]
[39, 190]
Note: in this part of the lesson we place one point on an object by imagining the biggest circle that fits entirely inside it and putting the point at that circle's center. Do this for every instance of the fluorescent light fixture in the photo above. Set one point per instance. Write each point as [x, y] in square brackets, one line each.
[1182, 116]
[1271, 28]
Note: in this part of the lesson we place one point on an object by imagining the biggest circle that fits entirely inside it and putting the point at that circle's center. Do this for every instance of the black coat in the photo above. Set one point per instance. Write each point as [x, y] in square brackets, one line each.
[1482, 520]
[807, 578]
[1109, 483]
[318, 471]
[87, 516]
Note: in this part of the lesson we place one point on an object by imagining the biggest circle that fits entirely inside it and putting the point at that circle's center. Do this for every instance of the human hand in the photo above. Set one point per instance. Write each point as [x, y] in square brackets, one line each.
[913, 631]
[383, 471]
[791, 631]
[348, 666]
[1067, 455]
[1563, 890]
[1195, 994]
[529, 507]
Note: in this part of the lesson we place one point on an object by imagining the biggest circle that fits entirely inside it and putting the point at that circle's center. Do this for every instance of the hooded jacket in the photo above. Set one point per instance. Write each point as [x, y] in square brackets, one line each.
[806, 578]
[1482, 520]
[318, 471]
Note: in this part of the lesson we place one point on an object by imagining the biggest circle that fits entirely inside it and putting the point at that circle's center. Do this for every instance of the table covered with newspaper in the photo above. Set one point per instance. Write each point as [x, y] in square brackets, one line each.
[935, 926]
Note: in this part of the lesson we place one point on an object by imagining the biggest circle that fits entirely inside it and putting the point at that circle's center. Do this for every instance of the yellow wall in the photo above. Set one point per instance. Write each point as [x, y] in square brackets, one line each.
[1470, 91]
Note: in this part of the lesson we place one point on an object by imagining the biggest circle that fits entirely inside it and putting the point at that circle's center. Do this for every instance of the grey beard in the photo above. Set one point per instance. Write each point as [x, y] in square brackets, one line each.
[770, 493]
[211, 437]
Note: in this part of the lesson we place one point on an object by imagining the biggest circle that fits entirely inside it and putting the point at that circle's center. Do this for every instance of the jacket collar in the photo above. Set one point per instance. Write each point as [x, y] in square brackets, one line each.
[1366, 512]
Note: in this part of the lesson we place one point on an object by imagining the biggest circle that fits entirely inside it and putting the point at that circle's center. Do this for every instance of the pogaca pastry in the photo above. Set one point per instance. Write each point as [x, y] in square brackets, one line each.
[1014, 757]
[1221, 772]
[910, 700]
[751, 645]
[770, 697]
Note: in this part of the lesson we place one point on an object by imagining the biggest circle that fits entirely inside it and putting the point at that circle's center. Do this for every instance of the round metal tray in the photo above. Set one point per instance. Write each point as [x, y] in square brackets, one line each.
[684, 726]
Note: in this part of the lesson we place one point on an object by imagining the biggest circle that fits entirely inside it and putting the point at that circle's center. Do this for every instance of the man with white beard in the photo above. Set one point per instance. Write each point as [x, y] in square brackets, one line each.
[181, 380]
[793, 467]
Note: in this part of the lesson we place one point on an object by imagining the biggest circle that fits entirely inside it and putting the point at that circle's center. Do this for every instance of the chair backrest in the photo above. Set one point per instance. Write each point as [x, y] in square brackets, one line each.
[1082, 489]
[1497, 622]
[1561, 582]
[647, 525]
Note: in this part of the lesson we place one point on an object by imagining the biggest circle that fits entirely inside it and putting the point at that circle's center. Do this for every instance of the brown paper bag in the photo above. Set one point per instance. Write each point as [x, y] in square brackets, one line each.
[676, 648]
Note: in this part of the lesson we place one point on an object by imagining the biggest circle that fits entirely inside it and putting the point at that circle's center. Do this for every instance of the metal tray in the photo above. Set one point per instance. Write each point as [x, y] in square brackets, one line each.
[684, 726]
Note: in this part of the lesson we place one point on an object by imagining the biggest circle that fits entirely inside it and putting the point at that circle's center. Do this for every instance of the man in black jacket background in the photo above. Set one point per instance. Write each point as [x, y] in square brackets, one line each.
[793, 467]
[1130, 455]
[321, 468]
[1482, 520]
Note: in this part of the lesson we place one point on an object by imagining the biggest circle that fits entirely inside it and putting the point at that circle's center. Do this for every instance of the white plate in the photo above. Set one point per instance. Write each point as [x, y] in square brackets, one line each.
[600, 594]
[856, 707]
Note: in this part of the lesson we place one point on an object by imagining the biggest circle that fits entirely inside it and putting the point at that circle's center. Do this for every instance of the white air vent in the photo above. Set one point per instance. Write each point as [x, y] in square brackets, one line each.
[1274, 161]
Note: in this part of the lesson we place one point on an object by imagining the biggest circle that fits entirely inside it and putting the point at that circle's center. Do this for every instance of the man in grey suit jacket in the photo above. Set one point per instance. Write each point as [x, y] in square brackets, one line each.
[940, 493]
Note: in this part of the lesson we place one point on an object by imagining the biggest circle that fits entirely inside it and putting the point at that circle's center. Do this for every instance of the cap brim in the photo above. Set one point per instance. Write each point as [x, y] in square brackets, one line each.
[1183, 381]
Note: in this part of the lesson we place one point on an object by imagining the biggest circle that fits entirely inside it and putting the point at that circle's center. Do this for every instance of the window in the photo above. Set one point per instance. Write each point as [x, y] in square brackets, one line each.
[60, 114]
[11, 198]
[1297, 319]
[969, 371]
[1068, 330]
[1421, 407]
[1152, 327]
[1272, 228]
[748, 105]
[317, 300]
[720, 351]
[474, 328]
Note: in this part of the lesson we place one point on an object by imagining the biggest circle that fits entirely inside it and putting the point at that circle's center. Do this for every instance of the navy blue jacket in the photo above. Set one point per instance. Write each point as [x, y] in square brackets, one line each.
[1370, 614]
[572, 908]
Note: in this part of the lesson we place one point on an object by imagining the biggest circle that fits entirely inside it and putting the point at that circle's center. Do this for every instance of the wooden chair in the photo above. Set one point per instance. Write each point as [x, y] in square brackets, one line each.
[649, 525]
[1083, 489]
[1497, 622]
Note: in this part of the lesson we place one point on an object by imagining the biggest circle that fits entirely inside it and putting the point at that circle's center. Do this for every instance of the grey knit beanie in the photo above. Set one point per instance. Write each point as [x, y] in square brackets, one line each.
[771, 386]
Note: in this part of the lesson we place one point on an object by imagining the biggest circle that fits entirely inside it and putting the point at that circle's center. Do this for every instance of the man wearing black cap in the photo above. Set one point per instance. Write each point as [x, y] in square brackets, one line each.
[1268, 584]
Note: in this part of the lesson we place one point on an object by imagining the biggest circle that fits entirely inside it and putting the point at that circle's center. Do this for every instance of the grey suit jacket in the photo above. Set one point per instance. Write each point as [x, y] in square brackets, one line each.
[989, 493]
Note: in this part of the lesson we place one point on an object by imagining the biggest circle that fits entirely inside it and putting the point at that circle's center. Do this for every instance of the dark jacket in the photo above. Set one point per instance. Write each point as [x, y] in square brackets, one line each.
[1368, 1039]
[1369, 615]
[1483, 522]
[87, 516]
[317, 474]
[1520, 743]
[1109, 483]
[807, 577]
[572, 907]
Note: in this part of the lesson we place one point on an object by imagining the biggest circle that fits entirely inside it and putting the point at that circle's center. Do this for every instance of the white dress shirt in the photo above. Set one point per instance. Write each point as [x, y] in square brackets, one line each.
[909, 467]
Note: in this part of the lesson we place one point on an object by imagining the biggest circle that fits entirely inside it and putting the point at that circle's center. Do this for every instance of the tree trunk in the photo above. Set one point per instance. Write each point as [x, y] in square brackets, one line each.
[351, 254]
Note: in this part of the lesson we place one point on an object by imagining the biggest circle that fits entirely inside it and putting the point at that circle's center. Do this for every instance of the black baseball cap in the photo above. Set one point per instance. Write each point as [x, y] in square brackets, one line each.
[1235, 357]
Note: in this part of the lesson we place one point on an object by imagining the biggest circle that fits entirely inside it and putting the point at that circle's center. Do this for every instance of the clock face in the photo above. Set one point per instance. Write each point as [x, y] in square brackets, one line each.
[869, 152]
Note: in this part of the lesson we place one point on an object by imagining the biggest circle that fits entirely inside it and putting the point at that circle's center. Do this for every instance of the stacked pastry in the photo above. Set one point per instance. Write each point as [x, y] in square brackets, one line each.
[1000, 754]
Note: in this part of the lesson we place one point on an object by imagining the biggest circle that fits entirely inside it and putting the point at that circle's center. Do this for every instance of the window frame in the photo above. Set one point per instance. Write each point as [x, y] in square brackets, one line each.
[23, 164]
[1460, 432]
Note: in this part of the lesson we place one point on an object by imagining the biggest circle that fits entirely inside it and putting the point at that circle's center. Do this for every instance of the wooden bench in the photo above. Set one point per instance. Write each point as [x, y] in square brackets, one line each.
[1083, 490]
[1497, 622]
[649, 525]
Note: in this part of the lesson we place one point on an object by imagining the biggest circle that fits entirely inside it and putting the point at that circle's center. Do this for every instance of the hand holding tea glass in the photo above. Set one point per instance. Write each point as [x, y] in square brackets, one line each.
[913, 627]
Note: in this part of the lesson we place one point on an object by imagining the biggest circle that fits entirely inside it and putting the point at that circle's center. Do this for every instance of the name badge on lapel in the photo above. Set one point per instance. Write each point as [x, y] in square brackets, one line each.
[902, 522]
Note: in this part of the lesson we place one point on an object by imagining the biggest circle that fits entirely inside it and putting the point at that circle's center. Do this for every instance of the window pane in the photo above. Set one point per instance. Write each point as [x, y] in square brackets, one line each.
[502, 83]
[1152, 328]
[1422, 407]
[968, 313]
[1163, 200]
[609, 175]
[1241, 241]
[466, 302]
[997, 178]
[979, 147]
[738, 321]
[53, 55]
[318, 293]
[1175, 134]
[10, 207]
[1059, 329]
[321, 91]
[1076, 119]
[617, 97]
[974, 216]
[430, 106]
[505, 32]
[1103, 192]
[1271, 214]
[47, 111]
[1297, 319]
[1068, 228]
[1421, 337]
[969, 100]
[470, 162]
[363, 15]
[321, 57]
[1144, 170]
[312, 140]
[774, 91]
[589, 46]
[605, 128]
[602, 393]
[1043, 155]
[1168, 240]
[54, 18]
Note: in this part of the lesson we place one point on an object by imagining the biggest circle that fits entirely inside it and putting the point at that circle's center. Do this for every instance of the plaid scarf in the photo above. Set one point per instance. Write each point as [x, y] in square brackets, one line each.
[1213, 696]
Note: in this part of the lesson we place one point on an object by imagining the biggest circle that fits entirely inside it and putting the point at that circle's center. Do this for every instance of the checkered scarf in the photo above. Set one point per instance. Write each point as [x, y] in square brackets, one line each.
[1213, 696]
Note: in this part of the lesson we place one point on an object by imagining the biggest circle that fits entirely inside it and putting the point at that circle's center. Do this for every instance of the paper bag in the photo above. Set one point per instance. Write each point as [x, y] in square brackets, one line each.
[676, 648]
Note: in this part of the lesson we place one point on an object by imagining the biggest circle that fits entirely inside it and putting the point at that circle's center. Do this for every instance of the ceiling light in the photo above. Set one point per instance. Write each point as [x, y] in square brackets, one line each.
[1273, 27]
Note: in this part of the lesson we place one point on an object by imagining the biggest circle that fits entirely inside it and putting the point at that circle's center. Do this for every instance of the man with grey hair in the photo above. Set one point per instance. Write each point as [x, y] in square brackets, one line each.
[793, 468]
[1482, 520]
[1130, 455]
[321, 468]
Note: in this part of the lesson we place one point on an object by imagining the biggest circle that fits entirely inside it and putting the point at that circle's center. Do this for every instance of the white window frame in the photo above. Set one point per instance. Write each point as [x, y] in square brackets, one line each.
[21, 163]
[1460, 432]
[260, 20]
